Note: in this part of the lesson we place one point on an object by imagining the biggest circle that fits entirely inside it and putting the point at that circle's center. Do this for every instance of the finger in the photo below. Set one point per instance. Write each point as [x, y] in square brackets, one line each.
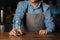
[20, 31]
[9, 33]
[13, 34]
[46, 32]
[42, 32]
[39, 32]
[14, 31]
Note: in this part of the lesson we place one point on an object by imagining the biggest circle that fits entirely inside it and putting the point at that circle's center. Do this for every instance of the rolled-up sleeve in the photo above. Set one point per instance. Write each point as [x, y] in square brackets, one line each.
[50, 26]
[18, 15]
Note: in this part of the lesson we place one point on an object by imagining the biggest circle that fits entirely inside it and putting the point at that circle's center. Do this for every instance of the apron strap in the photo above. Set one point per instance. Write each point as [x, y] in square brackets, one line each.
[42, 7]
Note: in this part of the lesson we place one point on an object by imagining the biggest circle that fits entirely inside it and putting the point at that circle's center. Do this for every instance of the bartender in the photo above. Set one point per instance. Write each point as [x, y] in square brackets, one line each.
[38, 17]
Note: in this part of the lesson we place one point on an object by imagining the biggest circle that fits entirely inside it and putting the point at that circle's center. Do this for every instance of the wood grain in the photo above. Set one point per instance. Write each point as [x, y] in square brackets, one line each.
[30, 36]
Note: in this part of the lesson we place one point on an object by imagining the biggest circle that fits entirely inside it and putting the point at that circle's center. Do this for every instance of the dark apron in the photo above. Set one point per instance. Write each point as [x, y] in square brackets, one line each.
[34, 22]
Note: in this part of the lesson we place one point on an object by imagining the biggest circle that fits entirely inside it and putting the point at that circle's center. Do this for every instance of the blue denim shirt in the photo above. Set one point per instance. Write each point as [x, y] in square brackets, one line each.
[21, 8]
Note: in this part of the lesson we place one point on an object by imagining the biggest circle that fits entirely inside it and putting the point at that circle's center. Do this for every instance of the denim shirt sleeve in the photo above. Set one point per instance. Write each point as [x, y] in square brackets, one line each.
[49, 21]
[20, 10]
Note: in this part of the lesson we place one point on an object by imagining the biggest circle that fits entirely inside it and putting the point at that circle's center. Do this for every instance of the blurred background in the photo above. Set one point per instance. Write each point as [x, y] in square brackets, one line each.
[9, 7]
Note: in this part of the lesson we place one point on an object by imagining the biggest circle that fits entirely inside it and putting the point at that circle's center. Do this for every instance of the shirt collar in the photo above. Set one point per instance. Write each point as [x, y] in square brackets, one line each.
[36, 7]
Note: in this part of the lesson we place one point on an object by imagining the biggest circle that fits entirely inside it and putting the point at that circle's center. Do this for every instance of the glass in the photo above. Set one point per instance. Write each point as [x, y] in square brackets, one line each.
[17, 28]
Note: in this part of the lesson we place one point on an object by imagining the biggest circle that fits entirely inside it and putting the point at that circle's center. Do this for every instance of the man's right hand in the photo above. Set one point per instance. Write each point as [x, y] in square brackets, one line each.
[14, 31]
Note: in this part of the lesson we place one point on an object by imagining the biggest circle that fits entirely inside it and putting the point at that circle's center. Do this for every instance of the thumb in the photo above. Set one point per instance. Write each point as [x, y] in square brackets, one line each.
[19, 30]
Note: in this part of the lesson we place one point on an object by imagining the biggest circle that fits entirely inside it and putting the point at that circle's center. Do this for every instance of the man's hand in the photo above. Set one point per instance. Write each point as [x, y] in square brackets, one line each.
[43, 32]
[14, 31]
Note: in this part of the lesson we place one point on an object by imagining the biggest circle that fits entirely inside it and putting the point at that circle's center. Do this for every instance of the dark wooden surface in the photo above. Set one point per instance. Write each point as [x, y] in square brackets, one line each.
[30, 36]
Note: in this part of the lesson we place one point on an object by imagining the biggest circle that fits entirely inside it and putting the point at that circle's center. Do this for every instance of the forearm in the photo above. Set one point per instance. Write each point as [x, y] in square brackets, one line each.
[19, 14]
[49, 23]
[51, 27]
[16, 24]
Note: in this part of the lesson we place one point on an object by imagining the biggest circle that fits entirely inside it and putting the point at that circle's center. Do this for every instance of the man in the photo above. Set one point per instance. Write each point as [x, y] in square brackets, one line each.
[38, 17]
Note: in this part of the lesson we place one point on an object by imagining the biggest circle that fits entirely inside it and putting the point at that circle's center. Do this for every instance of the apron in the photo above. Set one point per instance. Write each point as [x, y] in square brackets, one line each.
[34, 22]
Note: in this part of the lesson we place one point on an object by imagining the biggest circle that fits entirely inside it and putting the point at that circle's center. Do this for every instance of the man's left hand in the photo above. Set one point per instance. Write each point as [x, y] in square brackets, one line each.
[43, 32]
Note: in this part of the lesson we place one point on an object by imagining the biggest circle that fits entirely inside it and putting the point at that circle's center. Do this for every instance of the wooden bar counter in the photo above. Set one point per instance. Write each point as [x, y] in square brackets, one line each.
[30, 36]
